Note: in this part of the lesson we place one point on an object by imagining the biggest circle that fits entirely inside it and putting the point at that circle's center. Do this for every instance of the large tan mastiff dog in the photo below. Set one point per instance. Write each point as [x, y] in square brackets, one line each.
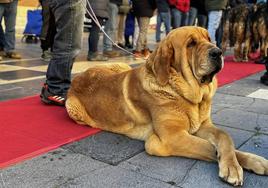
[165, 102]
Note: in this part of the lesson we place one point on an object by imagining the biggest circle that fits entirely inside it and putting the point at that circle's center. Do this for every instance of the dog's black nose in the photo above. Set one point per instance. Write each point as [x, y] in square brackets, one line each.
[215, 53]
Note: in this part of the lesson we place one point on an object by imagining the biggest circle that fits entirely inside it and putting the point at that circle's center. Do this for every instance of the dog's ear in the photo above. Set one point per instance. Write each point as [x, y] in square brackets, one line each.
[160, 61]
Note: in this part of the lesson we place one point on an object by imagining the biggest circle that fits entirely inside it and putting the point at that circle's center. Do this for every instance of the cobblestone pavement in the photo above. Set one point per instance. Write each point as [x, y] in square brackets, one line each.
[110, 160]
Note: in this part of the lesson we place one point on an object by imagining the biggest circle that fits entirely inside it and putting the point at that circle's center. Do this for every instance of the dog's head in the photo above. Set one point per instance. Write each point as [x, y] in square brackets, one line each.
[188, 51]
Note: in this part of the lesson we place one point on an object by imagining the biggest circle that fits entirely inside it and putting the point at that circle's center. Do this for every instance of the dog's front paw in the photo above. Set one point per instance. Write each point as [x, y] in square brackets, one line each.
[231, 171]
[257, 164]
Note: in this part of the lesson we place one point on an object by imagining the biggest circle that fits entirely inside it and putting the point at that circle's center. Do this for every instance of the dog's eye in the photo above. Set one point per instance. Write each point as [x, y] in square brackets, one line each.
[192, 43]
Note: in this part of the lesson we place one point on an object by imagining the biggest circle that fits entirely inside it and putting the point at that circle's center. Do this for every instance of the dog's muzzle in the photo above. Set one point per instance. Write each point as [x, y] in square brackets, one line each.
[216, 59]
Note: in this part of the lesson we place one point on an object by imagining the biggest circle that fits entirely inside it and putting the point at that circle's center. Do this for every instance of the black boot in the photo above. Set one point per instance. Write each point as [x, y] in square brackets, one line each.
[264, 78]
[263, 60]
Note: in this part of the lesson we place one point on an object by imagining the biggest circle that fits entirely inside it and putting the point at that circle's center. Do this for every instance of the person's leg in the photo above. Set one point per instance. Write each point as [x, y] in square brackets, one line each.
[214, 18]
[142, 39]
[192, 16]
[185, 19]
[10, 15]
[202, 20]
[176, 18]
[93, 42]
[45, 26]
[264, 78]
[167, 21]
[2, 38]
[110, 29]
[121, 29]
[158, 27]
[69, 17]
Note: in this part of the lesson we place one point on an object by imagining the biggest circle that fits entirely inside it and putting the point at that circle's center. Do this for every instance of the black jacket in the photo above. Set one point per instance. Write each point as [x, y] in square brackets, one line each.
[199, 5]
[100, 8]
[144, 8]
[162, 5]
[117, 2]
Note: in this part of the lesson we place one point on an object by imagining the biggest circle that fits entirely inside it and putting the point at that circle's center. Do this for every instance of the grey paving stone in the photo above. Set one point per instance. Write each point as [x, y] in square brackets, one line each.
[241, 120]
[107, 147]
[48, 170]
[239, 136]
[168, 169]
[239, 102]
[241, 88]
[257, 145]
[203, 174]
[115, 177]
[231, 101]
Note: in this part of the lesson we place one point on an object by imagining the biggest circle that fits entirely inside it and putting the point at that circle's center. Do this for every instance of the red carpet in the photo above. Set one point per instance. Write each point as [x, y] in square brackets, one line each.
[233, 71]
[29, 128]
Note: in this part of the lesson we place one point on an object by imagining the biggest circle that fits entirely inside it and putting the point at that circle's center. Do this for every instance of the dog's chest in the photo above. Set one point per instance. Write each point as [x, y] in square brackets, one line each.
[197, 115]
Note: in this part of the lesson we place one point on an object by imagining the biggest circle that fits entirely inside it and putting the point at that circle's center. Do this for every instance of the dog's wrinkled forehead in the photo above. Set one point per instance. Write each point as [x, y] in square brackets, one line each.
[184, 34]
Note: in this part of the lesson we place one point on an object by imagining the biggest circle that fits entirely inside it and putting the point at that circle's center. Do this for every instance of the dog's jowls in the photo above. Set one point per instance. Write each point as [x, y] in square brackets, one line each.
[166, 102]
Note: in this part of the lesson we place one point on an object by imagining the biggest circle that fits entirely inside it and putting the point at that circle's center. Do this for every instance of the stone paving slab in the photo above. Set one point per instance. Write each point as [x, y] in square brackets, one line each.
[115, 177]
[167, 169]
[205, 174]
[48, 170]
[107, 147]
[242, 87]
[249, 104]
[258, 145]
[239, 136]
[241, 120]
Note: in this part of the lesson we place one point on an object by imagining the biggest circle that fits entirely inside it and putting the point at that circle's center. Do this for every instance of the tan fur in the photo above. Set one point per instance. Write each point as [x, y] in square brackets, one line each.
[165, 102]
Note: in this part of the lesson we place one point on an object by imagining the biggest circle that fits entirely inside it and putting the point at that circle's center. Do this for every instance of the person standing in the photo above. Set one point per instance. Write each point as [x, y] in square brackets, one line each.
[143, 11]
[163, 15]
[8, 12]
[111, 28]
[100, 8]
[48, 31]
[214, 9]
[69, 21]
[122, 14]
[179, 12]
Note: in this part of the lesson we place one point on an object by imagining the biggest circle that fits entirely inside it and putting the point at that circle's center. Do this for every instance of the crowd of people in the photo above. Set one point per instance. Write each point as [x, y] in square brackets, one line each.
[122, 20]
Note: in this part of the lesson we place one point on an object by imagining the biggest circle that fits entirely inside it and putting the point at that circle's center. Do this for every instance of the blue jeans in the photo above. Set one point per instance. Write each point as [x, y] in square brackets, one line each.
[214, 19]
[162, 17]
[110, 27]
[8, 11]
[69, 18]
[178, 18]
[192, 16]
[2, 38]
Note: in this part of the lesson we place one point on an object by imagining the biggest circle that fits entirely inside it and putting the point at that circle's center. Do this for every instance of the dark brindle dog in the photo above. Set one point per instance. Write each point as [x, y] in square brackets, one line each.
[260, 28]
[236, 30]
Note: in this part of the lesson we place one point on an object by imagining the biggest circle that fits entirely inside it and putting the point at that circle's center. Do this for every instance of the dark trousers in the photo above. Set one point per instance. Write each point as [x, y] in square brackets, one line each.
[94, 35]
[48, 28]
[69, 18]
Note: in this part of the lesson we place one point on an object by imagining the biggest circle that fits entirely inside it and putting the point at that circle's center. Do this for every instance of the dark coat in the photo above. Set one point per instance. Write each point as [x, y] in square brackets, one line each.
[144, 8]
[162, 5]
[199, 5]
[117, 2]
[215, 4]
[100, 8]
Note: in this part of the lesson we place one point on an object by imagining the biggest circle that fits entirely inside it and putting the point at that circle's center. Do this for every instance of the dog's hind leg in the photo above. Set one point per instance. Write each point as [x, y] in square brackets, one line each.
[77, 111]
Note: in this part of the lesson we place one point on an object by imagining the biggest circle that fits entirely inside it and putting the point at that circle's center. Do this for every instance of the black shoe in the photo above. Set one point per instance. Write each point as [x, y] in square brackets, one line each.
[128, 45]
[49, 98]
[121, 45]
[263, 60]
[264, 79]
